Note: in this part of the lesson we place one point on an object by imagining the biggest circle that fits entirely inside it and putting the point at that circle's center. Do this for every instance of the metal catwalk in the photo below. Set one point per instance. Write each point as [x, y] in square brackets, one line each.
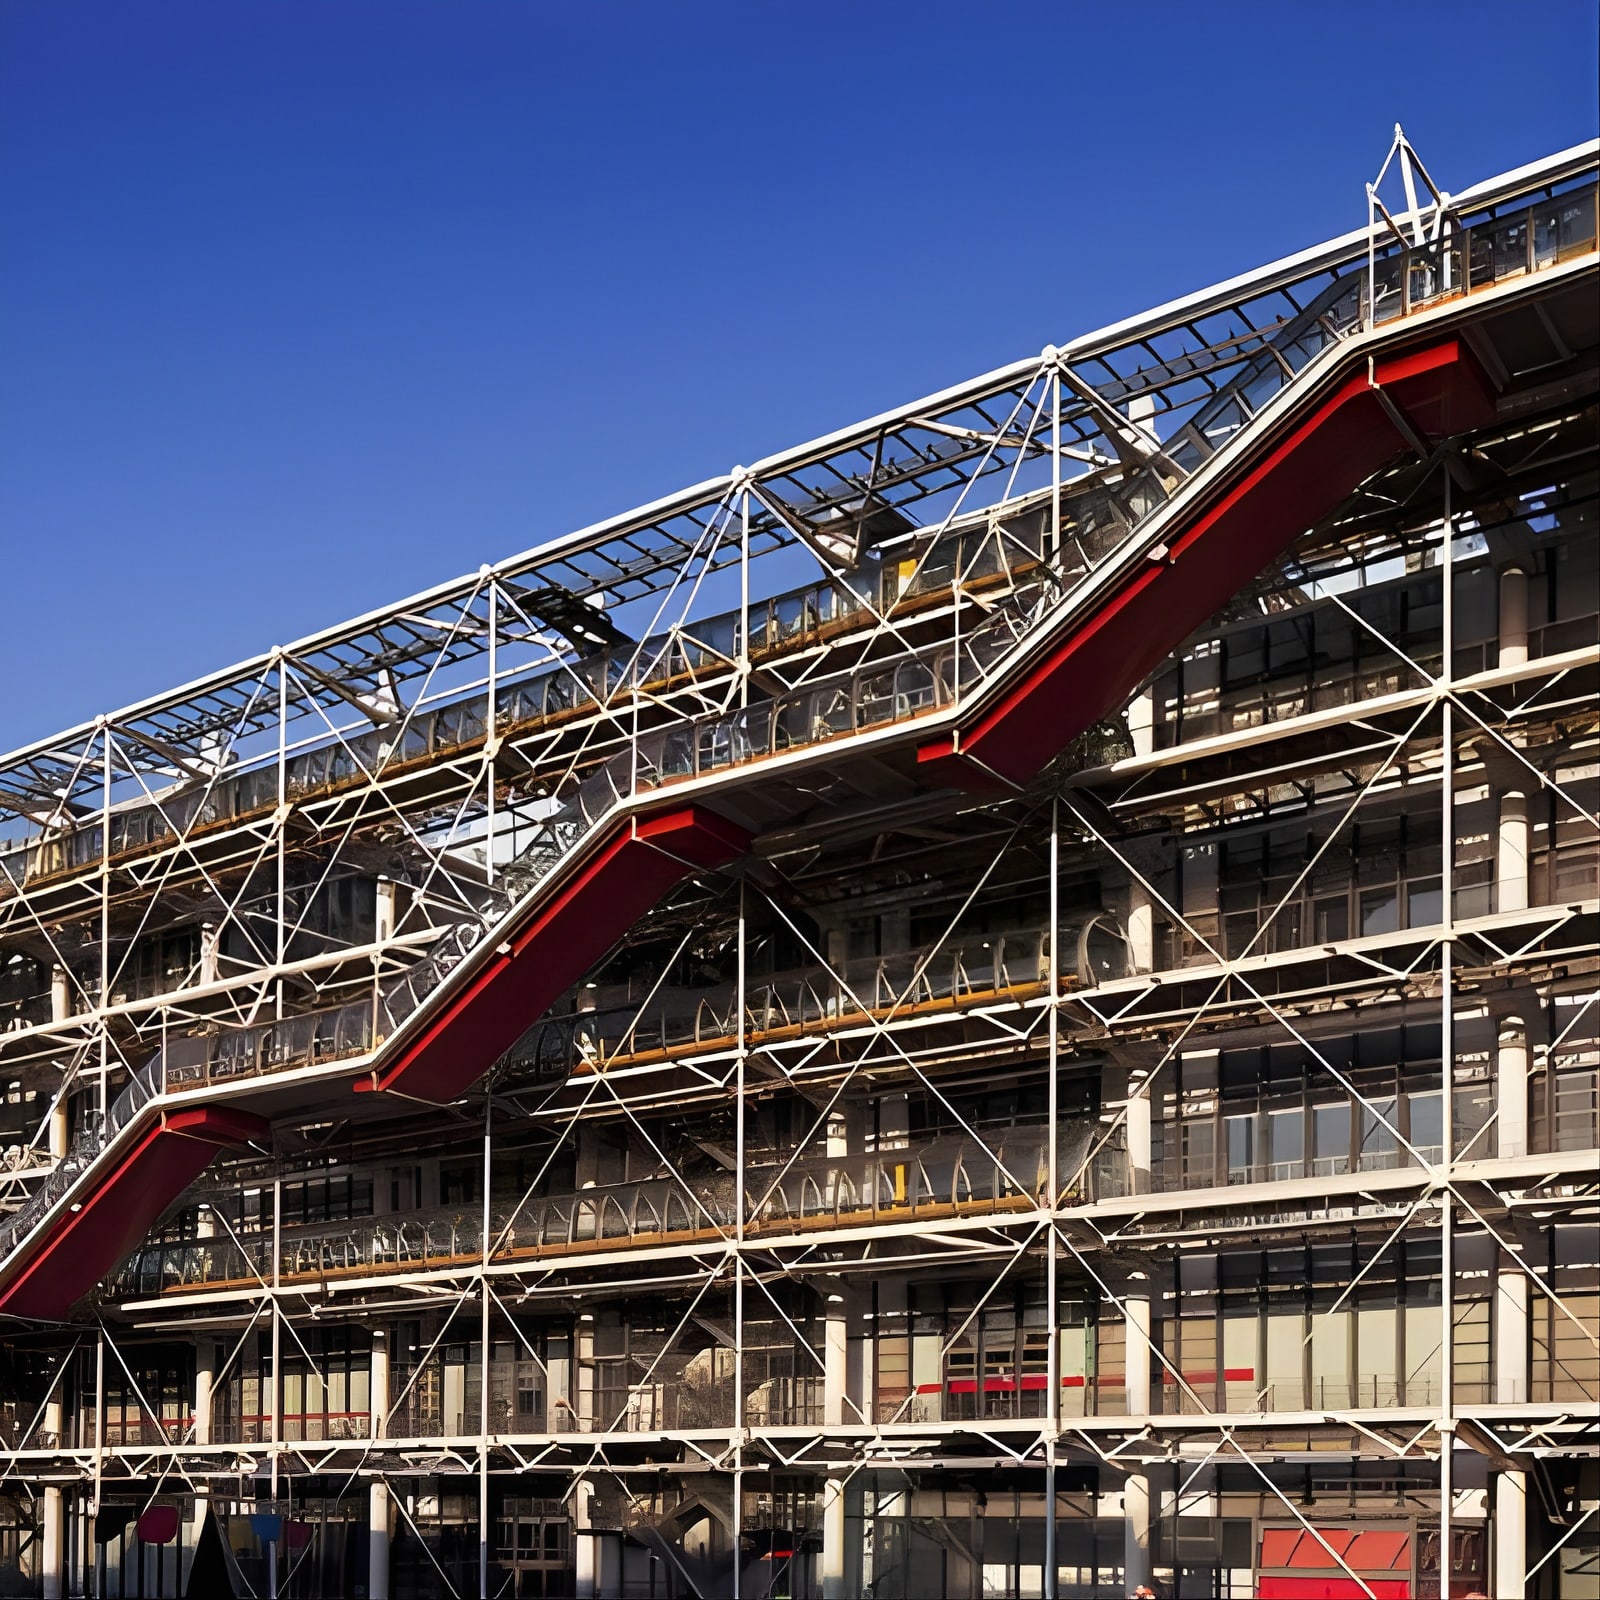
[997, 1004]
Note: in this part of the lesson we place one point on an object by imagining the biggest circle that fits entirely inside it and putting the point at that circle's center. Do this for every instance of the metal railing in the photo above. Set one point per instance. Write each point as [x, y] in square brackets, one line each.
[944, 1177]
[969, 969]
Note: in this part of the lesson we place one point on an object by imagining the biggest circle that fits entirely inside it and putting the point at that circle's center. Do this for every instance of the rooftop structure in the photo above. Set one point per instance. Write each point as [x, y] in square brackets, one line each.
[1001, 1003]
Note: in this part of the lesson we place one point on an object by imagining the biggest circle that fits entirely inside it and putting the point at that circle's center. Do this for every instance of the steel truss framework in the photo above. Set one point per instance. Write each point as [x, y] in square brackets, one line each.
[247, 898]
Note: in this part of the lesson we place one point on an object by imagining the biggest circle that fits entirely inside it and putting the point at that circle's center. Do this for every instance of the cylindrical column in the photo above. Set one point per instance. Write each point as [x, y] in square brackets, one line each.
[1511, 853]
[52, 1535]
[1136, 1531]
[1513, 616]
[205, 1372]
[52, 1528]
[835, 1373]
[1136, 1318]
[378, 1383]
[584, 1554]
[1141, 929]
[1511, 1335]
[378, 1540]
[835, 1575]
[1139, 1141]
[1511, 1086]
[1510, 1535]
[60, 1010]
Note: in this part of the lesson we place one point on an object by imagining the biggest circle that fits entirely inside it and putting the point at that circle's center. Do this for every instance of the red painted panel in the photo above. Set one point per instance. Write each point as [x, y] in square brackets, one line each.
[1277, 1545]
[1296, 1564]
[79, 1248]
[1346, 438]
[1380, 1550]
[1313, 1552]
[1340, 1588]
[622, 879]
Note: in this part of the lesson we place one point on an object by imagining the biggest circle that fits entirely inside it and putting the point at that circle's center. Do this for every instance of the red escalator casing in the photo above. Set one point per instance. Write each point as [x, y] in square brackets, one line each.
[77, 1248]
[1438, 390]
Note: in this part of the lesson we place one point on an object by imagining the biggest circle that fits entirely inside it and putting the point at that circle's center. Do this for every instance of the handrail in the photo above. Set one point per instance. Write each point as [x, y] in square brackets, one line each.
[946, 1176]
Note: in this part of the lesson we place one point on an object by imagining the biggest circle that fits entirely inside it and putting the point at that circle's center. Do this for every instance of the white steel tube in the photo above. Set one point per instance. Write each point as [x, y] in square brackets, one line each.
[378, 1540]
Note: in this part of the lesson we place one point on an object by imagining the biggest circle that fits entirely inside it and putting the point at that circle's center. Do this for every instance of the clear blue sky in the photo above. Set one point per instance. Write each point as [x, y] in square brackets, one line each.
[306, 306]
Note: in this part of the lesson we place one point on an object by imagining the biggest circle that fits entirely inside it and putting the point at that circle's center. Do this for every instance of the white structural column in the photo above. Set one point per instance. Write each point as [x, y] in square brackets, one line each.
[52, 1536]
[1136, 1387]
[834, 1564]
[1136, 1315]
[205, 1374]
[1511, 1335]
[378, 1384]
[1136, 1530]
[60, 994]
[52, 1515]
[835, 1370]
[1141, 929]
[1511, 852]
[1510, 1535]
[59, 1134]
[60, 1010]
[205, 1350]
[1511, 1087]
[378, 1540]
[1139, 1143]
[1511, 1388]
[835, 1392]
[585, 1555]
[1513, 616]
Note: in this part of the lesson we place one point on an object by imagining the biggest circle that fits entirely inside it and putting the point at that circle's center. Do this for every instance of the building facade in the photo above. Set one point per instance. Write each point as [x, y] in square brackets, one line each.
[1000, 1004]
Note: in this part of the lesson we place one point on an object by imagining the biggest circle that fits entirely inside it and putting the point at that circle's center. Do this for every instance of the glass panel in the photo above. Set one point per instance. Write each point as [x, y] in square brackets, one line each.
[1577, 223]
[1380, 911]
[1423, 902]
[1330, 1359]
[1424, 1341]
[1239, 1357]
[1379, 1147]
[1376, 1383]
[1287, 1138]
[1427, 1124]
[1511, 248]
[1285, 1349]
[1241, 1149]
[1330, 1133]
